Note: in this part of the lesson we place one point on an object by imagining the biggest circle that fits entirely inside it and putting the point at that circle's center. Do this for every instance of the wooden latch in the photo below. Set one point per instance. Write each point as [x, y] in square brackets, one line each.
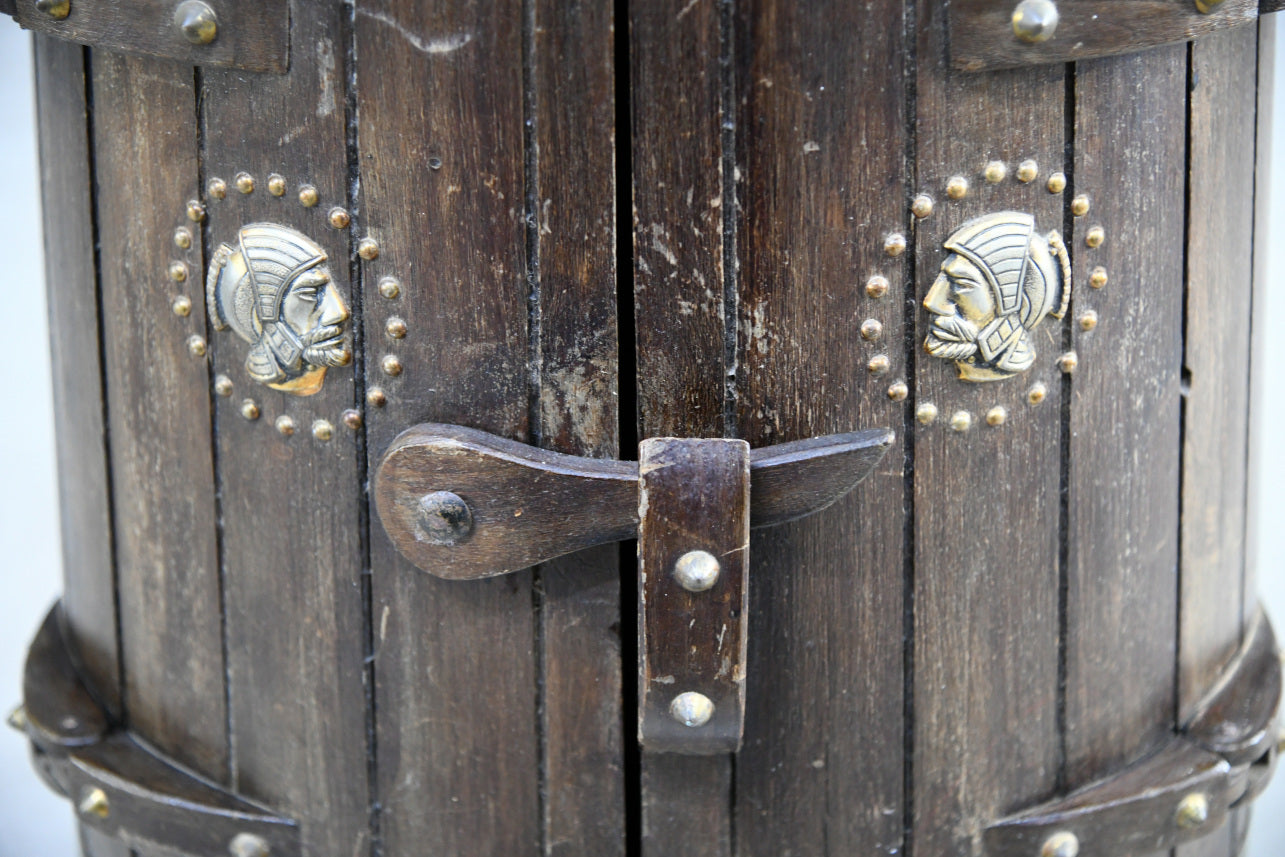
[463, 504]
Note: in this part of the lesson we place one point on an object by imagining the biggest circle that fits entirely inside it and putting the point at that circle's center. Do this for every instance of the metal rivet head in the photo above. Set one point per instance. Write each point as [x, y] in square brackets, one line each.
[692, 709]
[351, 418]
[1207, 6]
[183, 238]
[285, 425]
[871, 329]
[250, 410]
[926, 413]
[898, 391]
[1068, 362]
[222, 385]
[322, 430]
[697, 571]
[178, 272]
[879, 364]
[1095, 236]
[995, 172]
[182, 306]
[195, 211]
[1080, 205]
[962, 421]
[877, 286]
[248, 845]
[1056, 183]
[391, 365]
[957, 187]
[1027, 171]
[395, 328]
[338, 218]
[390, 288]
[1061, 844]
[196, 345]
[443, 518]
[1037, 393]
[18, 719]
[922, 206]
[216, 188]
[276, 184]
[56, 9]
[895, 244]
[1088, 320]
[1035, 21]
[1193, 811]
[94, 802]
[996, 416]
[308, 196]
[244, 182]
[376, 397]
[434, 163]
[368, 249]
[1098, 277]
[197, 22]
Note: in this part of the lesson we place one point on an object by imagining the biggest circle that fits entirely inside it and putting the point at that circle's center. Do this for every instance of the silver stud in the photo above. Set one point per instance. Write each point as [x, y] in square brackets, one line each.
[197, 22]
[692, 709]
[248, 845]
[1035, 21]
[697, 571]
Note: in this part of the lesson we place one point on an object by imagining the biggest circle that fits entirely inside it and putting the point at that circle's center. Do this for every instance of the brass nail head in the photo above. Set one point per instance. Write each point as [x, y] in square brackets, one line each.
[879, 364]
[962, 421]
[249, 845]
[697, 571]
[1205, 7]
[1193, 811]
[222, 385]
[351, 418]
[250, 410]
[1027, 171]
[877, 286]
[395, 328]
[56, 9]
[390, 288]
[871, 329]
[216, 188]
[1094, 237]
[368, 249]
[376, 397]
[922, 206]
[178, 272]
[323, 430]
[443, 518]
[957, 187]
[1088, 320]
[1080, 205]
[197, 22]
[1035, 21]
[391, 365]
[898, 391]
[996, 416]
[94, 802]
[895, 244]
[195, 211]
[244, 182]
[1037, 393]
[1061, 844]
[1068, 362]
[1098, 277]
[339, 218]
[308, 196]
[276, 184]
[1056, 183]
[182, 306]
[995, 172]
[196, 345]
[926, 413]
[692, 709]
[18, 719]
[285, 425]
[183, 238]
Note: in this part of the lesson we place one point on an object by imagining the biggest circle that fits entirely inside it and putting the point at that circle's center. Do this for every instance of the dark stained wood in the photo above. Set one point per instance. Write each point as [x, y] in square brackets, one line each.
[981, 31]
[1237, 717]
[792, 480]
[58, 710]
[89, 603]
[1123, 495]
[986, 519]
[292, 506]
[455, 671]
[822, 161]
[252, 35]
[1216, 357]
[158, 413]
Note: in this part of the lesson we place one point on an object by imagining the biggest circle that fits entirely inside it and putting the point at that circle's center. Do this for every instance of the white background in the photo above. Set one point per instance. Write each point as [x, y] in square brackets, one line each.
[34, 823]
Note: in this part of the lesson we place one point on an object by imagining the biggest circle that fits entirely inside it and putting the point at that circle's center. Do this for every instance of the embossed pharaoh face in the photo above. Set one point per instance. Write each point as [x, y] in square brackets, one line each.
[997, 284]
[275, 291]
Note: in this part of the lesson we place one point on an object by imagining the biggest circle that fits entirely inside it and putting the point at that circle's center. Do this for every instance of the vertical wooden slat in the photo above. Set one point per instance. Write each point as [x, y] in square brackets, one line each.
[158, 412]
[443, 184]
[986, 517]
[680, 324]
[291, 506]
[575, 233]
[822, 157]
[1124, 452]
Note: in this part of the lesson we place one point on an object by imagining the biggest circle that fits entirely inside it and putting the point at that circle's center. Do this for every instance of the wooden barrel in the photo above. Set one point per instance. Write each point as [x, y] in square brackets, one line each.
[1031, 630]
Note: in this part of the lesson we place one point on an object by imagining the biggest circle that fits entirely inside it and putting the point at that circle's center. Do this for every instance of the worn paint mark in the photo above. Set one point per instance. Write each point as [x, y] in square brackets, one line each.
[441, 45]
[326, 66]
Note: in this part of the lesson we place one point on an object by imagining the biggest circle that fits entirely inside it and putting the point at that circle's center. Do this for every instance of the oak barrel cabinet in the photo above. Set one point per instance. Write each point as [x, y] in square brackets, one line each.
[704, 427]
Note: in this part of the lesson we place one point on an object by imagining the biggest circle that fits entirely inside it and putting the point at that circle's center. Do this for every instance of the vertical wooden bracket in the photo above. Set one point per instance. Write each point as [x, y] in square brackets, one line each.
[693, 553]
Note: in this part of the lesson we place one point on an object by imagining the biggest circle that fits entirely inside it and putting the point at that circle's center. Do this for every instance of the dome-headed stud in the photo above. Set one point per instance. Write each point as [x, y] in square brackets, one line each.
[1035, 21]
[443, 518]
[196, 21]
[1193, 811]
[1061, 844]
[692, 709]
[697, 571]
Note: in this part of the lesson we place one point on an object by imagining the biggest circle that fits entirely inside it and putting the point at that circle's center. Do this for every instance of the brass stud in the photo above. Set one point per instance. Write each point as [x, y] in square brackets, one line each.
[56, 9]
[182, 306]
[368, 249]
[697, 571]
[871, 329]
[692, 709]
[276, 184]
[183, 238]
[322, 430]
[898, 391]
[178, 272]
[285, 425]
[895, 244]
[1207, 6]
[1088, 320]
[922, 206]
[997, 416]
[1061, 844]
[1080, 205]
[248, 845]
[216, 188]
[1027, 171]
[1098, 277]
[1095, 236]
[1193, 811]
[957, 187]
[308, 196]
[197, 22]
[390, 288]
[94, 802]
[338, 218]
[376, 397]
[1037, 393]
[395, 328]
[222, 385]
[351, 418]
[962, 421]
[195, 211]
[879, 364]
[877, 286]
[1068, 362]
[1035, 21]
[18, 719]
[926, 413]
[250, 410]
[244, 182]
[1057, 182]
[995, 172]
[196, 345]
[391, 365]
